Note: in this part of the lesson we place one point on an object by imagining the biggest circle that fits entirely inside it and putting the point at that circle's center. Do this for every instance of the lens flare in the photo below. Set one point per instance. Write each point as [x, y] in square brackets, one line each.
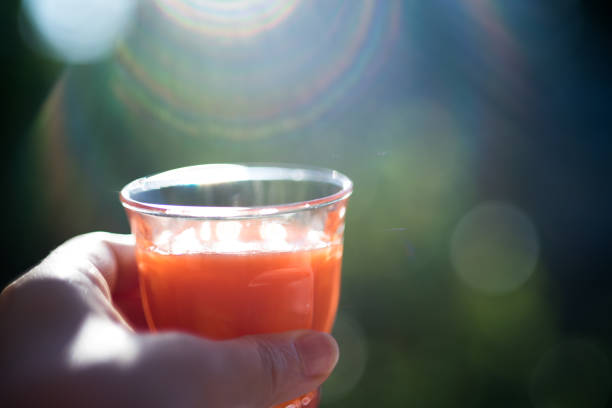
[227, 19]
[502, 52]
[276, 82]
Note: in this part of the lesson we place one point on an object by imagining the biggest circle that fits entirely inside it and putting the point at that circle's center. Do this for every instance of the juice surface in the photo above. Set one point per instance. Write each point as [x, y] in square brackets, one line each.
[226, 295]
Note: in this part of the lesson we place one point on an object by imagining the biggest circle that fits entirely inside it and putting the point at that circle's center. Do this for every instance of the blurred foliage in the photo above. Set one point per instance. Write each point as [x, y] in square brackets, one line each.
[471, 102]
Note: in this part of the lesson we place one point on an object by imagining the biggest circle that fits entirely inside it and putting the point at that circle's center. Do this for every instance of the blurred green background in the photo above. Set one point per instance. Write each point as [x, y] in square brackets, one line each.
[477, 132]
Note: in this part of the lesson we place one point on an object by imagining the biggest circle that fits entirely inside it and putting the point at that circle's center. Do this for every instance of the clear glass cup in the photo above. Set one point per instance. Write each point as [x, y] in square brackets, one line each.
[226, 250]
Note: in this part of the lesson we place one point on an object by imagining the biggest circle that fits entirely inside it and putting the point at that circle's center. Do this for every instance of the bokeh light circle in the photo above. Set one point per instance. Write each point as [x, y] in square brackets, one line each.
[494, 248]
[572, 374]
[354, 353]
[78, 31]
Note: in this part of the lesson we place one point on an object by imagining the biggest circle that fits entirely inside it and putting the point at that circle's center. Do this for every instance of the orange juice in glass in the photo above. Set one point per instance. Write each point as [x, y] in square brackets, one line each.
[227, 250]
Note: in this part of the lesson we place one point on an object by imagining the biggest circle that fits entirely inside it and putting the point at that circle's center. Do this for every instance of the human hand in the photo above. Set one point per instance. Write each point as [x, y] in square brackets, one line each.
[68, 338]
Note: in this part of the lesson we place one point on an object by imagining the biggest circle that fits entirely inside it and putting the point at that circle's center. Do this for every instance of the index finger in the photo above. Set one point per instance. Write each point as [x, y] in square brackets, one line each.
[108, 262]
[125, 278]
[111, 256]
[125, 290]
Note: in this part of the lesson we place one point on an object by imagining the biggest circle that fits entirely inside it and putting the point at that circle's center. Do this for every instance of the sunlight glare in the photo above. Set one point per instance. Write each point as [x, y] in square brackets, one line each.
[100, 340]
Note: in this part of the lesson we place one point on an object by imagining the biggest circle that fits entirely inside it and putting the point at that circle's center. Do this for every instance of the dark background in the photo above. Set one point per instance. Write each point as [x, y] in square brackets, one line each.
[461, 109]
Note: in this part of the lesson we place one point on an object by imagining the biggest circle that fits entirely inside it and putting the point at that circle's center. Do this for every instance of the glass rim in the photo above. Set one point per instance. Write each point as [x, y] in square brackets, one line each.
[232, 172]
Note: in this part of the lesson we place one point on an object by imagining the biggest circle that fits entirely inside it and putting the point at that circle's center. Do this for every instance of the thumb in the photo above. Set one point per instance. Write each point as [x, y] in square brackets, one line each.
[280, 367]
[252, 371]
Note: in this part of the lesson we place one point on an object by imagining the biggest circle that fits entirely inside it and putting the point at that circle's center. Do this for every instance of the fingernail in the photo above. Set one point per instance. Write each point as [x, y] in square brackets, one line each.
[318, 352]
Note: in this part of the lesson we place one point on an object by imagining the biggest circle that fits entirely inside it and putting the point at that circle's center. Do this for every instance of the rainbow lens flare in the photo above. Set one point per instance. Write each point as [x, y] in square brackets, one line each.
[230, 18]
[197, 66]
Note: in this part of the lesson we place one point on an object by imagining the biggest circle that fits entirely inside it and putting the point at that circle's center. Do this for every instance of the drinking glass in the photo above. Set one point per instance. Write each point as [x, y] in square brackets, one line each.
[227, 250]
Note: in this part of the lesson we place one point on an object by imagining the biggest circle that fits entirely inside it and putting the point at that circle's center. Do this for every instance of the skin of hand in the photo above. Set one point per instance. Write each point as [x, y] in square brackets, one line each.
[69, 337]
